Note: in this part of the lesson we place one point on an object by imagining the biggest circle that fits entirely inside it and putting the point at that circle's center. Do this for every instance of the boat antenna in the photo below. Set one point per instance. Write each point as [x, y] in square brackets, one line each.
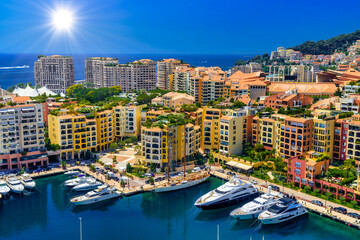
[80, 228]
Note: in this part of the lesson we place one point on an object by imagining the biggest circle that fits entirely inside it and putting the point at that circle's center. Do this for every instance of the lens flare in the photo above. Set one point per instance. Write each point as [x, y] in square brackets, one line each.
[62, 19]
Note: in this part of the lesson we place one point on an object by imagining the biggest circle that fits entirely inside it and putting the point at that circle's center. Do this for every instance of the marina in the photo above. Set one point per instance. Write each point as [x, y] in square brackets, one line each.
[159, 216]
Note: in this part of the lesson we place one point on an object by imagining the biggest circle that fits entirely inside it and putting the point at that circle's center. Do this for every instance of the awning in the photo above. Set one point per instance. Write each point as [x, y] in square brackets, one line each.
[239, 165]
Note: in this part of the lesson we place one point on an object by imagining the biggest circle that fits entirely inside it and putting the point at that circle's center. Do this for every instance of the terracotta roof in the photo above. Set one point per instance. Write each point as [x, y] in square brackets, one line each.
[21, 99]
[305, 88]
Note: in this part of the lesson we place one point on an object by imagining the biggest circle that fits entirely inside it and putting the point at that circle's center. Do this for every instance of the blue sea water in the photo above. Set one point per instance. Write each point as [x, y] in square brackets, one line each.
[12, 76]
[47, 214]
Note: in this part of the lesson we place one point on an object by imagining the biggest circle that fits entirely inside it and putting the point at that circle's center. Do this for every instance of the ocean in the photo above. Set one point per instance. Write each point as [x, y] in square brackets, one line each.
[47, 214]
[12, 73]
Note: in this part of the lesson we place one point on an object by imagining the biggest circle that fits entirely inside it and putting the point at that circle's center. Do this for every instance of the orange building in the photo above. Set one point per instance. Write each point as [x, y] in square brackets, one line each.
[288, 100]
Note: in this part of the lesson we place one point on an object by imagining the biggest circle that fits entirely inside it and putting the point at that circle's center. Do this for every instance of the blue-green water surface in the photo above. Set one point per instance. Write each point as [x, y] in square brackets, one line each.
[47, 214]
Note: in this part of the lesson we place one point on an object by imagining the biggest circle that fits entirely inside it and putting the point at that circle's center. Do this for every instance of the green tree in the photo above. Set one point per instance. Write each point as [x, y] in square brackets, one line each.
[338, 92]
[317, 192]
[113, 146]
[354, 203]
[128, 168]
[151, 180]
[348, 164]
[307, 189]
[342, 199]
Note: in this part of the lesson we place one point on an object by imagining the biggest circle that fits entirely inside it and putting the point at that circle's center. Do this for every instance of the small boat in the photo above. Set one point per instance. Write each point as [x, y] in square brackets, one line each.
[27, 181]
[286, 209]
[233, 192]
[87, 186]
[14, 184]
[178, 183]
[71, 173]
[253, 209]
[4, 189]
[101, 194]
[76, 181]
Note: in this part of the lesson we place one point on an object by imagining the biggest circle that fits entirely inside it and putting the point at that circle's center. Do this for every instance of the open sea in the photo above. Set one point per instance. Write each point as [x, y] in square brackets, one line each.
[10, 74]
[46, 214]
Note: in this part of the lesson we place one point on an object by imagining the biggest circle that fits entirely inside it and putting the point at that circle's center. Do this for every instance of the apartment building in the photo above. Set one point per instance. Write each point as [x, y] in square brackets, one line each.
[78, 134]
[211, 128]
[55, 72]
[127, 121]
[288, 99]
[22, 140]
[231, 135]
[137, 75]
[353, 140]
[210, 89]
[164, 69]
[341, 129]
[294, 137]
[181, 79]
[323, 135]
[94, 70]
[303, 169]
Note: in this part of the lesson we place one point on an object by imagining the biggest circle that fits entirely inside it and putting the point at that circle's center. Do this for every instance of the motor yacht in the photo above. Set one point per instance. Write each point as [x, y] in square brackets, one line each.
[76, 181]
[4, 189]
[71, 173]
[286, 209]
[88, 185]
[179, 183]
[101, 194]
[14, 184]
[230, 193]
[27, 181]
[260, 204]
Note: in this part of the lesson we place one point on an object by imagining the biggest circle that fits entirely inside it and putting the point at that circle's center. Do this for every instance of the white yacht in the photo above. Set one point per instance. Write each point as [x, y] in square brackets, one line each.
[27, 181]
[230, 193]
[253, 209]
[88, 185]
[4, 189]
[14, 184]
[101, 194]
[179, 183]
[71, 173]
[287, 208]
[76, 181]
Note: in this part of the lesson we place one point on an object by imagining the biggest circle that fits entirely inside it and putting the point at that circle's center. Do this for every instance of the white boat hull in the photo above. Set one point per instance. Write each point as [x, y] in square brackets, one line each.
[180, 186]
[87, 188]
[246, 216]
[95, 200]
[29, 186]
[5, 190]
[284, 217]
[18, 189]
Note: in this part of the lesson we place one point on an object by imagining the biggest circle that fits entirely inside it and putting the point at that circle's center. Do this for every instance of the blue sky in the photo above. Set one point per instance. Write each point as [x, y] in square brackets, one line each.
[167, 26]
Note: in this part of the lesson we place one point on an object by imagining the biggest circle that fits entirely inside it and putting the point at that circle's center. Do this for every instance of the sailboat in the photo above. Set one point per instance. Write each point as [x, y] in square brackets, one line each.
[188, 180]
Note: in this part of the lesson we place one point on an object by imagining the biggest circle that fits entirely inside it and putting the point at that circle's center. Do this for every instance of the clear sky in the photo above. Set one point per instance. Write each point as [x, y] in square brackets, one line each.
[168, 26]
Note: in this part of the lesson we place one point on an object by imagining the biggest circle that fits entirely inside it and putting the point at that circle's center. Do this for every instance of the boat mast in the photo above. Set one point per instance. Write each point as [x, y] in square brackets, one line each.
[168, 157]
[80, 229]
[185, 152]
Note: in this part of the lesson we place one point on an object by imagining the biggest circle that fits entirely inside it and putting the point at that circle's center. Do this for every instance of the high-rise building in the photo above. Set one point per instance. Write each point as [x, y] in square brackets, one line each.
[55, 72]
[127, 121]
[22, 140]
[107, 72]
[164, 69]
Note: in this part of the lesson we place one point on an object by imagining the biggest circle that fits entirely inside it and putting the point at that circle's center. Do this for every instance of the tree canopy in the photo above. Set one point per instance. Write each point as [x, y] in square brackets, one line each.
[81, 93]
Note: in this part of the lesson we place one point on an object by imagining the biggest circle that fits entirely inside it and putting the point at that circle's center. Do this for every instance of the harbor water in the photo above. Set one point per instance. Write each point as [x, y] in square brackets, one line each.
[47, 214]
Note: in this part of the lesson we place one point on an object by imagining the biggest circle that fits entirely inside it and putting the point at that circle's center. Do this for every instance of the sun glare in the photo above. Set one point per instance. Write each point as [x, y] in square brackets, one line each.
[62, 19]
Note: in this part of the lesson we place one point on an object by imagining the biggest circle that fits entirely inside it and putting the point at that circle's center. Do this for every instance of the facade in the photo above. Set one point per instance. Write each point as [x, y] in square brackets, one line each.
[137, 75]
[288, 99]
[353, 140]
[323, 135]
[173, 99]
[55, 72]
[164, 69]
[22, 142]
[127, 121]
[210, 129]
[78, 134]
[231, 135]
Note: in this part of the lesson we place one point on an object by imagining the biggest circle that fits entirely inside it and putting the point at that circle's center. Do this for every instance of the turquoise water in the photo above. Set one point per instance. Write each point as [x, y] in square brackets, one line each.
[47, 214]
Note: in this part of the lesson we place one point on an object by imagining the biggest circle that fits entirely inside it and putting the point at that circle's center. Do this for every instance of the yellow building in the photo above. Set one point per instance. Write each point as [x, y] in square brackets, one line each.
[105, 124]
[211, 129]
[231, 132]
[323, 135]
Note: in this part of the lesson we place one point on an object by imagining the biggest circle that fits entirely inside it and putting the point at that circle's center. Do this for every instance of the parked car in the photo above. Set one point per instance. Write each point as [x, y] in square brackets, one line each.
[147, 181]
[340, 210]
[116, 179]
[354, 215]
[275, 188]
[220, 170]
[317, 202]
[254, 182]
[230, 173]
[158, 179]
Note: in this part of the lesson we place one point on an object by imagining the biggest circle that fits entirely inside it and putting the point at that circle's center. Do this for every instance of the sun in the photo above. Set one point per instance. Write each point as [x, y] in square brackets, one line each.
[62, 19]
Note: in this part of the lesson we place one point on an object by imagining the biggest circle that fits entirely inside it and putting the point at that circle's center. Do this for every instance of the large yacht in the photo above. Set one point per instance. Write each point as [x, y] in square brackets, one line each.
[4, 189]
[14, 184]
[230, 193]
[71, 173]
[88, 185]
[287, 208]
[27, 181]
[253, 209]
[178, 183]
[101, 194]
[76, 181]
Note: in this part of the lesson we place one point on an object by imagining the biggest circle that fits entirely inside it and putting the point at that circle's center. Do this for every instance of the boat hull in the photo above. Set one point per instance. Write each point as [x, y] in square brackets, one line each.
[284, 218]
[88, 188]
[180, 186]
[226, 202]
[95, 200]
[16, 190]
[246, 216]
